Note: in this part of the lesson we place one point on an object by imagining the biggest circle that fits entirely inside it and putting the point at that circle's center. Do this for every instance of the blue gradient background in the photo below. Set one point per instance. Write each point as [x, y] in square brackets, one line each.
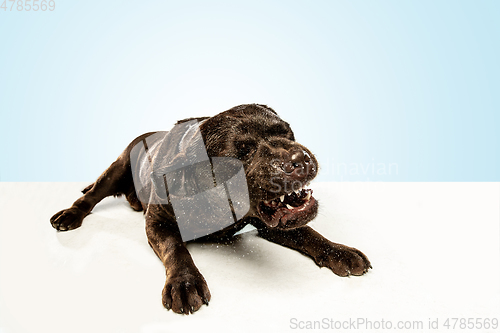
[365, 84]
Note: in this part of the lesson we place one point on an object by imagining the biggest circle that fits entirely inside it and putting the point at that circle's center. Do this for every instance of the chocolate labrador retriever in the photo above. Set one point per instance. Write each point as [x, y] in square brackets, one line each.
[273, 194]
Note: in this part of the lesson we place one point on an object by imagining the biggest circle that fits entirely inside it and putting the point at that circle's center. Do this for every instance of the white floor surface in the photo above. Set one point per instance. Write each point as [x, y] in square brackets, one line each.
[434, 247]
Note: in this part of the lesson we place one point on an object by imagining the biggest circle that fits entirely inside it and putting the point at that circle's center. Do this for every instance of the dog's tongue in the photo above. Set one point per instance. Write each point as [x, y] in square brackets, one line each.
[280, 216]
[273, 222]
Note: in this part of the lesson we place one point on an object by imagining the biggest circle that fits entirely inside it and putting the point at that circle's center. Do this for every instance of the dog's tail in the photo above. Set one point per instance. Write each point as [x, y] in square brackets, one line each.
[88, 188]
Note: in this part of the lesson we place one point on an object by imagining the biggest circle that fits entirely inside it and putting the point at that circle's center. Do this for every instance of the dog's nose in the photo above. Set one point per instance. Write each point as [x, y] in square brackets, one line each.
[297, 164]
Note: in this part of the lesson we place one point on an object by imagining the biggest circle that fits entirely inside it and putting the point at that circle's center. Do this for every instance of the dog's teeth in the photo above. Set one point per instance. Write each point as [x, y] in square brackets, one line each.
[266, 202]
[288, 206]
[282, 198]
[308, 196]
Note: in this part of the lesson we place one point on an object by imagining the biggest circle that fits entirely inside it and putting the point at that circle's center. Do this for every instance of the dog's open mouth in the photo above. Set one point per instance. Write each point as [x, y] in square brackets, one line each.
[289, 210]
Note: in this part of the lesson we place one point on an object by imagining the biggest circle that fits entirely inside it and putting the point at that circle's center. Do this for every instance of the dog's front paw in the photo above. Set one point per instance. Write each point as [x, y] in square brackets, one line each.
[67, 219]
[185, 293]
[343, 260]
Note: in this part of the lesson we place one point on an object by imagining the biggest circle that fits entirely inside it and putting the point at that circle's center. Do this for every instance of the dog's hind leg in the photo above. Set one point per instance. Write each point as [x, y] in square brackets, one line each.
[131, 197]
[116, 180]
[112, 182]
[134, 201]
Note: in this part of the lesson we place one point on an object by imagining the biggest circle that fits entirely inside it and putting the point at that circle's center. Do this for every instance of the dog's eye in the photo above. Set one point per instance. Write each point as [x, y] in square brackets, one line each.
[278, 130]
[243, 148]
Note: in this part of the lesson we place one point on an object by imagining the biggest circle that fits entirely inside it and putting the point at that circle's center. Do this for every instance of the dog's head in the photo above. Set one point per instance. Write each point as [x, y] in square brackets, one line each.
[277, 168]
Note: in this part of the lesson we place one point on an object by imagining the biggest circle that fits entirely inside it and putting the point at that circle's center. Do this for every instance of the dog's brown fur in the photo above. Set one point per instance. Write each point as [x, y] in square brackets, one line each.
[271, 158]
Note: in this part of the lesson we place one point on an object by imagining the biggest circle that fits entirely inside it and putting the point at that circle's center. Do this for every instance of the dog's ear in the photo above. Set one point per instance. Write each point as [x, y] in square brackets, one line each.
[199, 119]
[267, 108]
[260, 107]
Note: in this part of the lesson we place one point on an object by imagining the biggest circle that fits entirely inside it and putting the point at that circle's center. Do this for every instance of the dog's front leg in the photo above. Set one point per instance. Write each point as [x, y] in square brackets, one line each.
[185, 290]
[341, 259]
